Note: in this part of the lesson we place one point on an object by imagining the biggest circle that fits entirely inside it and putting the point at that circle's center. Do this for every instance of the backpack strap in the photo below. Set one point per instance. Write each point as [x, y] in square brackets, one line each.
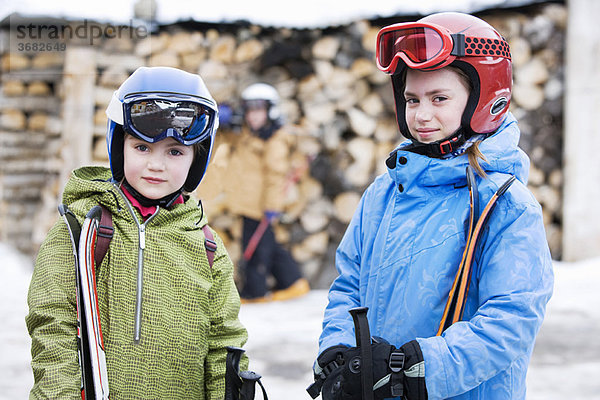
[209, 244]
[105, 235]
[106, 232]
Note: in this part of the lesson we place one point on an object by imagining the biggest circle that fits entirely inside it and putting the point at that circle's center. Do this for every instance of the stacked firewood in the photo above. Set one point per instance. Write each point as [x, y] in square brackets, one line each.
[338, 106]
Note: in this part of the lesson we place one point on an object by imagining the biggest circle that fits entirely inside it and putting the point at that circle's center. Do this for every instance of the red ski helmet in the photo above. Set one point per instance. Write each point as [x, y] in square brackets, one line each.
[451, 39]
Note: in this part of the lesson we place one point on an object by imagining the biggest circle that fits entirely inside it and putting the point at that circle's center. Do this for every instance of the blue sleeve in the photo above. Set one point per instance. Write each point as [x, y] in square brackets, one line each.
[344, 292]
[514, 283]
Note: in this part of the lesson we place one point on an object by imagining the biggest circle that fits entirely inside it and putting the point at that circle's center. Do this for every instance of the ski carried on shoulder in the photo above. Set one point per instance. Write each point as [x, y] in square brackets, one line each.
[90, 345]
[457, 298]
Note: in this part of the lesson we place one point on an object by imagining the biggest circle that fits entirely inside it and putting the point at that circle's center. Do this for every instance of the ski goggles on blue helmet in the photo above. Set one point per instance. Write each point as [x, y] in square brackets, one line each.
[153, 117]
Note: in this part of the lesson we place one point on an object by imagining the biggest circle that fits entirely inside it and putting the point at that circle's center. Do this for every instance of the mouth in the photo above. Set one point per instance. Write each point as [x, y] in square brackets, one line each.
[153, 180]
[426, 132]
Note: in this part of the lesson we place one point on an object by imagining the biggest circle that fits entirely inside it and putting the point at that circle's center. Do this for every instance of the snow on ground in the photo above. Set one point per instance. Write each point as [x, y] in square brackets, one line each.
[283, 336]
[15, 373]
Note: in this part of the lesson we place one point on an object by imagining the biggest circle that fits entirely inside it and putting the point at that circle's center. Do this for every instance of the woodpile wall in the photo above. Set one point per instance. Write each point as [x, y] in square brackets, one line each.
[339, 105]
[30, 143]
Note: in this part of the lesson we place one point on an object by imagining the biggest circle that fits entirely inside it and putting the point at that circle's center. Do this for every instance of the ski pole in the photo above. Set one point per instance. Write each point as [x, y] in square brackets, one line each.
[232, 370]
[363, 341]
[240, 385]
[255, 238]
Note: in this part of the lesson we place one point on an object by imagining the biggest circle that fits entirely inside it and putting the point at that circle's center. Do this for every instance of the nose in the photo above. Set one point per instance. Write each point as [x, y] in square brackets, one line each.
[156, 162]
[423, 113]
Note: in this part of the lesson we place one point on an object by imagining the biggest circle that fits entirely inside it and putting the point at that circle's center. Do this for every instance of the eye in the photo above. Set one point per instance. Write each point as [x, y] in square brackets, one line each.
[411, 100]
[439, 99]
[175, 152]
[142, 147]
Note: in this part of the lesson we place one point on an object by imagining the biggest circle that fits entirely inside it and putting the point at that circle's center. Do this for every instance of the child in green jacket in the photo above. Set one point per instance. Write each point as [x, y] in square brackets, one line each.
[170, 341]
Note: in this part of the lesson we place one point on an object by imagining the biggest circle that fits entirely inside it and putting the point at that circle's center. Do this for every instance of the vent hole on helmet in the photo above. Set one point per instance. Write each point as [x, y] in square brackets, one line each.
[499, 105]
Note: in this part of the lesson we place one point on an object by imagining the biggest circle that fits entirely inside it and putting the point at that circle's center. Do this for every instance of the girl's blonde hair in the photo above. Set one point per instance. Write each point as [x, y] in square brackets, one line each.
[473, 152]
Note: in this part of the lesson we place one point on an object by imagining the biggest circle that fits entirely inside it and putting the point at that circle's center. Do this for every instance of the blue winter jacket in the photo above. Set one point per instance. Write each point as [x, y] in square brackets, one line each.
[400, 254]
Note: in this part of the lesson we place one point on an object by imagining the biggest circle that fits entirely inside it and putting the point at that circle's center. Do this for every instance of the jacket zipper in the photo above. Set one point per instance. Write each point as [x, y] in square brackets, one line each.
[137, 327]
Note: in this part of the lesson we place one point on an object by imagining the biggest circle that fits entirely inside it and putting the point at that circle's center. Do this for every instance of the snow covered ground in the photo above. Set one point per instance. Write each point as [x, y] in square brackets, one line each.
[283, 336]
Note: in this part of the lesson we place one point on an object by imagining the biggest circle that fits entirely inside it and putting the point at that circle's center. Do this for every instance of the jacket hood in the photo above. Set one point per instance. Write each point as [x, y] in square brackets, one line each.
[91, 182]
[500, 150]
[93, 185]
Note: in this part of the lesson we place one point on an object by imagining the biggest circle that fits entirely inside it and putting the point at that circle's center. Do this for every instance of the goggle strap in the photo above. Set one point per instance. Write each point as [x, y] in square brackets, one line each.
[458, 44]
[478, 46]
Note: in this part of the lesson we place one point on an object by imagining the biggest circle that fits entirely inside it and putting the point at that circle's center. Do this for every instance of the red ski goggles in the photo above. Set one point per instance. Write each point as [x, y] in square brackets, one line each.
[430, 46]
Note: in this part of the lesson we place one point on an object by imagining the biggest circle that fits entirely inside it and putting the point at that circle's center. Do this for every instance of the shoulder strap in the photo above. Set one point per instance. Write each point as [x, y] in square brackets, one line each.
[106, 232]
[105, 235]
[209, 244]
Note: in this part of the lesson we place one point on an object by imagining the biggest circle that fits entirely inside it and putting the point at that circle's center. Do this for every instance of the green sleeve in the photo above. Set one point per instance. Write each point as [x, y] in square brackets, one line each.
[225, 327]
[52, 319]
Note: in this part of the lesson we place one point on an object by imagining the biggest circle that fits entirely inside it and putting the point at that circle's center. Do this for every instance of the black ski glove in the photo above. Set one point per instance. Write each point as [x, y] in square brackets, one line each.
[338, 371]
[328, 373]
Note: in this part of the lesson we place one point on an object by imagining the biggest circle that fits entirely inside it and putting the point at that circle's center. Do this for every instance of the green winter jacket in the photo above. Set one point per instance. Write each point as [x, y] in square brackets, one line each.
[189, 311]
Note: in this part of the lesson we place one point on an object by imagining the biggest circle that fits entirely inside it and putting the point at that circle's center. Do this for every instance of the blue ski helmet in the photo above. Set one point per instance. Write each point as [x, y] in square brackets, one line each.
[159, 102]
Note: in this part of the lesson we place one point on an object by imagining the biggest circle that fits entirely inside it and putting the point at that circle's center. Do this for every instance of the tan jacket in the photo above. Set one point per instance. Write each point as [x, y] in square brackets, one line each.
[256, 178]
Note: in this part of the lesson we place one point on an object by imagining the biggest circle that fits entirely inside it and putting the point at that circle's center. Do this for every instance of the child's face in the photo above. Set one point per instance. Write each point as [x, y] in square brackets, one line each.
[435, 101]
[158, 169]
[256, 118]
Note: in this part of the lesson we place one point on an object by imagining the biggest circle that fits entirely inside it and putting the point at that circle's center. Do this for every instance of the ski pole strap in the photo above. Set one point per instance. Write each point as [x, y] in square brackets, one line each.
[104, 236]
[210, 245]
[363, 340]
[248, 389]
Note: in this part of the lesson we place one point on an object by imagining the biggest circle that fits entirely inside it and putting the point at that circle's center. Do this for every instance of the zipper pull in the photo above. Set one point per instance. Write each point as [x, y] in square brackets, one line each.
[142, 237]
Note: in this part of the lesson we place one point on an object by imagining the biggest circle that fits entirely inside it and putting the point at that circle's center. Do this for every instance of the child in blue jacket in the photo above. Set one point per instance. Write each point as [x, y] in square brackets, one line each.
[459, 336]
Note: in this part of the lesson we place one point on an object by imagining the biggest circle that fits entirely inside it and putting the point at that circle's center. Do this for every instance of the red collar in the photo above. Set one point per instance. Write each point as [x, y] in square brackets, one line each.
[145, 211]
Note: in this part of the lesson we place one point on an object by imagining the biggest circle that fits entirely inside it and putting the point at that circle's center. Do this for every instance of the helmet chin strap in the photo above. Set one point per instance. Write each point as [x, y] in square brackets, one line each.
[164, 202]
[439, 148]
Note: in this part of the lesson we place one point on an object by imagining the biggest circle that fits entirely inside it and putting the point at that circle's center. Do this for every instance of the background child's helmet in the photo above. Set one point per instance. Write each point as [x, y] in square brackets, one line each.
[160, 82]
[477, 49]
[262, 92]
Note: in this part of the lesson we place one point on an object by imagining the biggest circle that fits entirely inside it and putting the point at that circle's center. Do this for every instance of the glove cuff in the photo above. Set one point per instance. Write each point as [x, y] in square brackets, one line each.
[414, 371]
[328, 362]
